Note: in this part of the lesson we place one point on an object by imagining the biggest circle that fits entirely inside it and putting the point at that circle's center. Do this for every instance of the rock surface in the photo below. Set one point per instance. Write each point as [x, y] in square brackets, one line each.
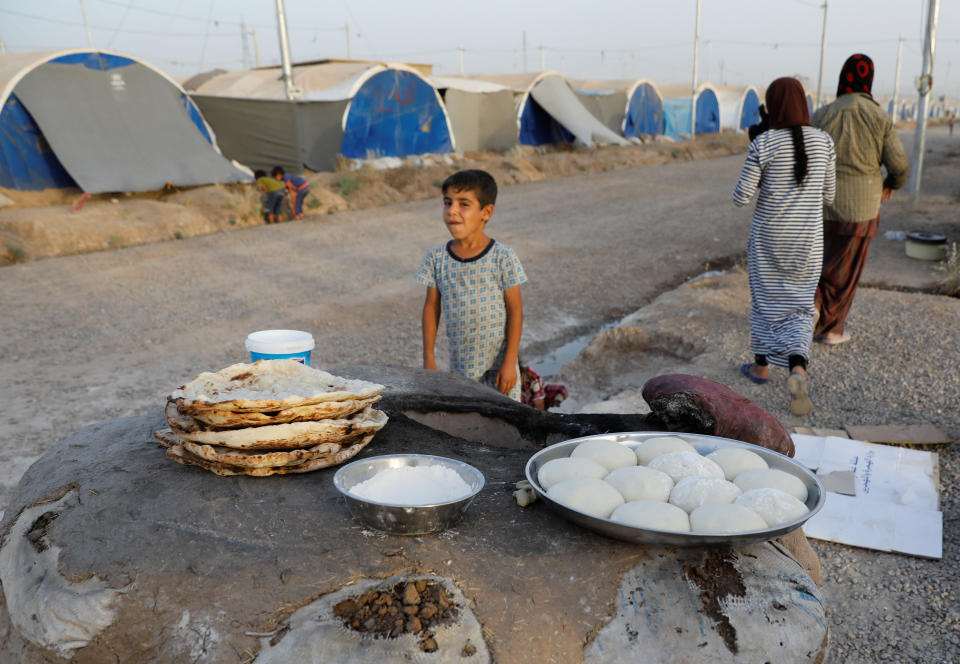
[177, 564]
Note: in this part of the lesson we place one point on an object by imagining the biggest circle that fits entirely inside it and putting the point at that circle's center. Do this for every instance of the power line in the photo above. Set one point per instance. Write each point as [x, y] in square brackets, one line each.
[123, 19]
[102, 27]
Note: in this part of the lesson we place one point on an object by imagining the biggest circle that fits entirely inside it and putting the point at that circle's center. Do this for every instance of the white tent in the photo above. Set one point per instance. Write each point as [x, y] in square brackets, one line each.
[738, 106]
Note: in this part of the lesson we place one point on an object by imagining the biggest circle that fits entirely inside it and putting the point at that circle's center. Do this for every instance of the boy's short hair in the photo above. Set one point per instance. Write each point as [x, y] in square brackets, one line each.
[479, 182]
[259, 173]
[277, 170]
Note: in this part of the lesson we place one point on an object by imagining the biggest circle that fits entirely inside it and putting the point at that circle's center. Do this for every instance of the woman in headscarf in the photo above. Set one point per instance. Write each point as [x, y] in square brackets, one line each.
[792, 166]
[865, 139]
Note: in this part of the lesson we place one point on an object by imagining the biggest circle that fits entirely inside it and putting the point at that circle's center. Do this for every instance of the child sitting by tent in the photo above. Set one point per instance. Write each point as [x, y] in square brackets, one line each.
[298, 187]
[273, 191]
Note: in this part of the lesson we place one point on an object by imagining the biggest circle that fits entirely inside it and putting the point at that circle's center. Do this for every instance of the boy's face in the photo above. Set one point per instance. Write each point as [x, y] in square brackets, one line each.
[463, 215]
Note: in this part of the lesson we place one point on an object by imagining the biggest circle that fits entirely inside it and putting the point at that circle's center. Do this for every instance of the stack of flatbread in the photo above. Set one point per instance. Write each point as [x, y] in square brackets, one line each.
[268, 418]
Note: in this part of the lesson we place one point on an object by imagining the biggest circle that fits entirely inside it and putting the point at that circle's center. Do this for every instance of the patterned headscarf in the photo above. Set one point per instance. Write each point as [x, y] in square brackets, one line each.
[787, 104]
[856, 75]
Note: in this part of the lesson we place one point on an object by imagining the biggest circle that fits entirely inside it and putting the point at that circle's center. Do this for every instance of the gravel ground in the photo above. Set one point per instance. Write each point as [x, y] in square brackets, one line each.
[883, 606]
[900, 368]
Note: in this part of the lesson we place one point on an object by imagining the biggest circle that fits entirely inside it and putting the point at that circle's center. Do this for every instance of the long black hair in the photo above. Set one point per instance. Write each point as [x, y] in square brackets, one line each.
[799, 154]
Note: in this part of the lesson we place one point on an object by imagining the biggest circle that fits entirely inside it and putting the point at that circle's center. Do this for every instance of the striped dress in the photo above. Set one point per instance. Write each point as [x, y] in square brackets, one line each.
[785, 250]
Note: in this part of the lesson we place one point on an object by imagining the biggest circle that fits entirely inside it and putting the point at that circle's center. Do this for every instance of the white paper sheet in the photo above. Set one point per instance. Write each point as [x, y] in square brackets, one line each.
[897, 496]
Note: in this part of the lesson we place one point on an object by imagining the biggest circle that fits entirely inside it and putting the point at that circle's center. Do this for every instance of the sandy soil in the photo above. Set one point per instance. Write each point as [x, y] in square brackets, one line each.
[60, 222]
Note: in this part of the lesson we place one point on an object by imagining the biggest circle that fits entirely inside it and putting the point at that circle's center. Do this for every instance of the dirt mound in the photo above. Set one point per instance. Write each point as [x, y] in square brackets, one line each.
[407, 608]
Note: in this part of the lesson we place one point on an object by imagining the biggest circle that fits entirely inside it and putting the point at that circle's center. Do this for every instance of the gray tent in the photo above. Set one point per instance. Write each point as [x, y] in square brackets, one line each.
[481, 113]
[606, 105]
[356, 109]
[549, 111]
[104, 122]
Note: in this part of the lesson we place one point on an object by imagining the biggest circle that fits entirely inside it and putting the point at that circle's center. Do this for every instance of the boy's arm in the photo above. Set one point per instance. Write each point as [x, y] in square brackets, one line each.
[507, 373]
[430, 321]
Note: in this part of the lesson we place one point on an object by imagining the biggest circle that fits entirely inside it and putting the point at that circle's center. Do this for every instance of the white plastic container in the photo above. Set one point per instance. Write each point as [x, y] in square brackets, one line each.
[926, 246]
[280, 345]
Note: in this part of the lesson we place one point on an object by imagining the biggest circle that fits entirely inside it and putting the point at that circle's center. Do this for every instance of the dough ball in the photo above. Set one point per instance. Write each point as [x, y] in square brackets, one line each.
[640, 483]
[725, 518]
[773, 505]
[557, 470]
[587, 494]
[607, 453]
[771, 478]
[652, 514]
[651, 448]
[692, 492]
[736, 460]
[686, 464]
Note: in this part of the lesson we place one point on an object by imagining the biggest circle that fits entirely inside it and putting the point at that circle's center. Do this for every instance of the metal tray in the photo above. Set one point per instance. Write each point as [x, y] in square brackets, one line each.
[704, 445]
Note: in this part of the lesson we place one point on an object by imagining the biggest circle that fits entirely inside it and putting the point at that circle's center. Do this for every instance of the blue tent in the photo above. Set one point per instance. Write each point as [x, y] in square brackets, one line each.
[356, 109]
[101, 121]
[395, 113]
[645, 113]
[750, 109]
[677, 107]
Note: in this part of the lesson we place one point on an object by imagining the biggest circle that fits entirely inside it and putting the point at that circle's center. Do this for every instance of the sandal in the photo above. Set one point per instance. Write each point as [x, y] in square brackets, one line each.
[832, 341]
[745, 370]
[800, 403]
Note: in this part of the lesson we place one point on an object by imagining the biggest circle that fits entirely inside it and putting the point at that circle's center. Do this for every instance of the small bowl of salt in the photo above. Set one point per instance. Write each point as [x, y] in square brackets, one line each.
[408, 494]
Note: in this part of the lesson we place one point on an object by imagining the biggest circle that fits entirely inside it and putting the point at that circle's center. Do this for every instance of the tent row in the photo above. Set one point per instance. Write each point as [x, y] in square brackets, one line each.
[366, 110]
[129, 127]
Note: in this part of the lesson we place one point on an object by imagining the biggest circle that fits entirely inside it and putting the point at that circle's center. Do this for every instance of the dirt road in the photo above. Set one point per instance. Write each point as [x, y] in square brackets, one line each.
[91, 337]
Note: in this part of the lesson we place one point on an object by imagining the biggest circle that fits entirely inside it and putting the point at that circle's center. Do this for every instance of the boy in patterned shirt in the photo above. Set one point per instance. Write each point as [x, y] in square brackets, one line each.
[475, 281]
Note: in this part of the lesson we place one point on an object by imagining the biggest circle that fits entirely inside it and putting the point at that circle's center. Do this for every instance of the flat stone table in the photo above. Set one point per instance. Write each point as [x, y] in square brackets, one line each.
[111, 552]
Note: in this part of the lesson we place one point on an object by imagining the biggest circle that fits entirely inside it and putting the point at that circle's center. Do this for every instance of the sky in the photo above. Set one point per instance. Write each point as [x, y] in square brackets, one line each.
[742, 42]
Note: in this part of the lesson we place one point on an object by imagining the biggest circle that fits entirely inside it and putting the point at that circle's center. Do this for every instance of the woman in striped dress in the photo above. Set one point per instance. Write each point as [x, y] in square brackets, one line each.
[792, 166]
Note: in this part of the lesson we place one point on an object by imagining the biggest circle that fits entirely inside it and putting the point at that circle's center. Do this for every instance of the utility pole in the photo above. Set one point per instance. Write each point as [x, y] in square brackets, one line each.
[823, 53]
[924, 84]
[525, 66]
[460, 49]
[896, 81]
[346, 31]
[83, 10]
[244, 44]
[256, 49]
[946, 83]
[287, 76]
[693, 88]
[709, 60]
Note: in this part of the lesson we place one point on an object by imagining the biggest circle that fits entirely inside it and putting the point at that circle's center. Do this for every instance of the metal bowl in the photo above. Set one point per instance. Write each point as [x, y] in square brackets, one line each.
[704, 445]
[405, 519]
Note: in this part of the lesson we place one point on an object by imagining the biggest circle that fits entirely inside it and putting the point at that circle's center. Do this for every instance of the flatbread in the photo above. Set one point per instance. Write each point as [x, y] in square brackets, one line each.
[166, 437]
[183, 456]
[263, 458]
[268, 385]
[332, 410]
[293, 435]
